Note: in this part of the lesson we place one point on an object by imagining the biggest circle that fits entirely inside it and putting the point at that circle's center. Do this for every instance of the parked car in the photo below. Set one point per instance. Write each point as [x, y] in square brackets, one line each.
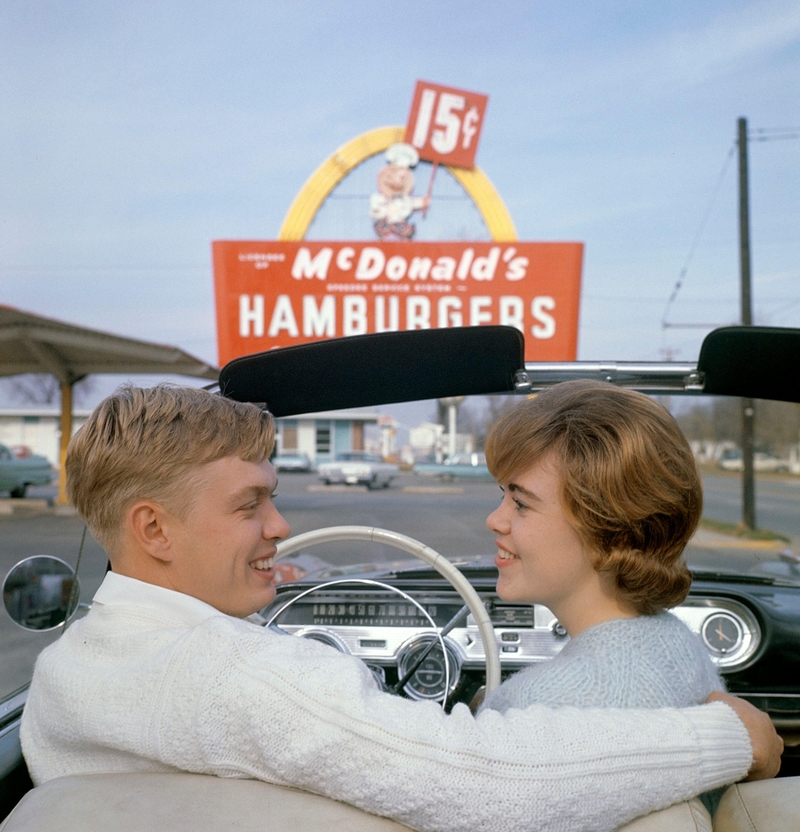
[460, 466]
[292, 462]
[18, 472]
[358, 468]
[747, 616]
[731, 460]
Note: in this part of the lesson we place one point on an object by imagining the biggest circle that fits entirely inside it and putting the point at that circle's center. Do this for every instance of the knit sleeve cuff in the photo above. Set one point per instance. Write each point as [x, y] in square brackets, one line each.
[726, 753]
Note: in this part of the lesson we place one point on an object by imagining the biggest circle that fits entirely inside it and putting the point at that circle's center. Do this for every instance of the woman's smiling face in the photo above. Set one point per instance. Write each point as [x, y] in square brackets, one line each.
[540, 556]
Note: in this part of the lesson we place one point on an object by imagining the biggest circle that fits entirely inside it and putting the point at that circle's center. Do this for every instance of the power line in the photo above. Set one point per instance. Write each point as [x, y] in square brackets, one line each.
[11, 267]
[770, 134]
[698, 235]
[757, 134]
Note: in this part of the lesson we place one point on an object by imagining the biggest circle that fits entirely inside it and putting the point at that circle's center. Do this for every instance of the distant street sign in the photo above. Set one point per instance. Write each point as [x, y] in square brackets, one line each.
[444, 124]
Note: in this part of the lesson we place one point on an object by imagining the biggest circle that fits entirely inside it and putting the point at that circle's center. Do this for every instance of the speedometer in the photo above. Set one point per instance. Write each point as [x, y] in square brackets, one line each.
[431, 677]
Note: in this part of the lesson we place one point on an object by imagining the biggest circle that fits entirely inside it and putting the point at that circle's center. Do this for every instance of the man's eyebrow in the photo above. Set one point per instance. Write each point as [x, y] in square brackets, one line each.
[251, 492]
[518, 489]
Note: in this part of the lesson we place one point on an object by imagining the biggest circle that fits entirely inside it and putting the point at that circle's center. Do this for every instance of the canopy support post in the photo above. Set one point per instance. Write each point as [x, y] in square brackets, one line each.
[66, 435]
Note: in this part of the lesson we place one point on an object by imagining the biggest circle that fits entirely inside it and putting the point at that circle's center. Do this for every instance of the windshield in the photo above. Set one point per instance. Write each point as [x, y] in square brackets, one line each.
[570, 172]
[447, 515]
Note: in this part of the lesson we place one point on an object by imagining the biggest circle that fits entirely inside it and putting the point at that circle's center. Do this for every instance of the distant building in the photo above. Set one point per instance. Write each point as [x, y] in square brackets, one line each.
[320, 435]
[323, 435]
[428, 441]
[37, 428]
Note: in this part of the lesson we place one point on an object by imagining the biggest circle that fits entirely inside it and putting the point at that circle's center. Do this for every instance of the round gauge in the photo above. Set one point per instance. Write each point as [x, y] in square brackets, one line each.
[428, 681]
[722, 633]
[324, 637]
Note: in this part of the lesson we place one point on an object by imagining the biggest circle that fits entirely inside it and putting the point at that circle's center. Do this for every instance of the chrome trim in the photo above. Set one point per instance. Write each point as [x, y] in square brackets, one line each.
[452, 665]
[696, 611]
[322, 635]
[648, 377]
[12, 704]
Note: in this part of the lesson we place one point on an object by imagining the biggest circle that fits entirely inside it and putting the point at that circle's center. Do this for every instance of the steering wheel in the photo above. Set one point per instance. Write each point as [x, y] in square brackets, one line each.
[462, 586]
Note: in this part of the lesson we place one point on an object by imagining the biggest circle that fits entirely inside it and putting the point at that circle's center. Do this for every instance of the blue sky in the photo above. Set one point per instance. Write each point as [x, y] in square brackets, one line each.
[133, 134]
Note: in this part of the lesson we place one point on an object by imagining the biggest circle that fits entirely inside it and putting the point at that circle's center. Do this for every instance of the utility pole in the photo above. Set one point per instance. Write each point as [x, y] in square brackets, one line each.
[747, 405]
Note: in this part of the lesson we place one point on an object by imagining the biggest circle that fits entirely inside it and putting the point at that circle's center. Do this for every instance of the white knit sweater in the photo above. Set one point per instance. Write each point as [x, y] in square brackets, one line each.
[153, 680]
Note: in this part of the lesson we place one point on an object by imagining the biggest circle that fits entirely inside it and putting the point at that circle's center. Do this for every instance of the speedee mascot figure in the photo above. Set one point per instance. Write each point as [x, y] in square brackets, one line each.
[393, 205]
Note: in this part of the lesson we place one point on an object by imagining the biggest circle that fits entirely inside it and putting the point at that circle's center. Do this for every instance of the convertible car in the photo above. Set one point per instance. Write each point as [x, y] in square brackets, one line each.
[432, 628]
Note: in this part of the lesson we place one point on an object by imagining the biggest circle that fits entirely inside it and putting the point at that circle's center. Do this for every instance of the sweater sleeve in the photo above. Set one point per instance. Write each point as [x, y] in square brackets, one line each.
[298, 713]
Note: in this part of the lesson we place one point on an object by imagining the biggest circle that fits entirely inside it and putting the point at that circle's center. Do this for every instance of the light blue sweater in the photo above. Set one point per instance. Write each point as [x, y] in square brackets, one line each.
[653, 661]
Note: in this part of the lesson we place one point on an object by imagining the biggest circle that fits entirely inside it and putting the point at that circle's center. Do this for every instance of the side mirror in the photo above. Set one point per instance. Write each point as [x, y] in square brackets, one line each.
[41, 593]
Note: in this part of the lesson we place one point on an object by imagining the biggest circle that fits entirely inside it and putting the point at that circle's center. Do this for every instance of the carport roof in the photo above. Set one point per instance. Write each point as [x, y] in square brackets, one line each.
[33, 344]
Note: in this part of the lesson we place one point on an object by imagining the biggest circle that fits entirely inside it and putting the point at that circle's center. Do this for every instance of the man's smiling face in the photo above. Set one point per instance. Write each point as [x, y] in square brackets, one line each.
[223, 547]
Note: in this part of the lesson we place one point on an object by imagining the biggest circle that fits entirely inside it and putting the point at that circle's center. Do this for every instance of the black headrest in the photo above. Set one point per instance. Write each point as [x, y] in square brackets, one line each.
[366, 370]
[758, 362]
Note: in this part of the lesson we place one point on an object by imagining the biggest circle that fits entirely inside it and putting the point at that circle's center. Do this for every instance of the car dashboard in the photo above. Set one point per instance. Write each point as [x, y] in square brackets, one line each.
[746, 629]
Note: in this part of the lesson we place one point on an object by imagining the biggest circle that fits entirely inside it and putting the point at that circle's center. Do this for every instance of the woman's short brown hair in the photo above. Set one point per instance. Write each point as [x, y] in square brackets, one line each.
[144, 443]
[629, 482]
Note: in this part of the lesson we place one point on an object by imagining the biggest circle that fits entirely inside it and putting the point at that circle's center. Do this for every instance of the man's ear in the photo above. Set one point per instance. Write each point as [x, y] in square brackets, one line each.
[152, 528]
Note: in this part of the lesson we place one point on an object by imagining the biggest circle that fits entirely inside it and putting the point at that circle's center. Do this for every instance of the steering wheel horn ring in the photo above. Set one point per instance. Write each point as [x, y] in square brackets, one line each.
[444, 567]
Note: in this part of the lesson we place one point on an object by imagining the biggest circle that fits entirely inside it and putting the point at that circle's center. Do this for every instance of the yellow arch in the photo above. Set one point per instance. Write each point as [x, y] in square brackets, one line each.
[328, 175]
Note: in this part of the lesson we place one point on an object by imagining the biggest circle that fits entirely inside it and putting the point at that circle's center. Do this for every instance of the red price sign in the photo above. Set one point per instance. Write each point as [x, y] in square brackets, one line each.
[444, 124]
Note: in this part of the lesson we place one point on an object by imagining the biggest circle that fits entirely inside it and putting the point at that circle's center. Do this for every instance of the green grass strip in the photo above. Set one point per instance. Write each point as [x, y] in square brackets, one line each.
[738, 530]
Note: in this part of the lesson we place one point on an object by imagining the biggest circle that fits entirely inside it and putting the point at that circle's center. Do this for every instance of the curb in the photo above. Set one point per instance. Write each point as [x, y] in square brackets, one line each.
[10, 506]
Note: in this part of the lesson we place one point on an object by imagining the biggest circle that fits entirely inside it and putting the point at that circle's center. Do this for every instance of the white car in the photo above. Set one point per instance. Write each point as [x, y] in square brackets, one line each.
[292, 462]
[358, 468]
[762, 462]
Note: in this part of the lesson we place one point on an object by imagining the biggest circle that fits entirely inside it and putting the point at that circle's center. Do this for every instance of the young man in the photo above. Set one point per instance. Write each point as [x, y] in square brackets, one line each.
[165, 673]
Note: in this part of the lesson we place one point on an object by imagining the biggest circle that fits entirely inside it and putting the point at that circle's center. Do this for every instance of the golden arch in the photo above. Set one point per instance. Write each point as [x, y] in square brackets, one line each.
[328, 175]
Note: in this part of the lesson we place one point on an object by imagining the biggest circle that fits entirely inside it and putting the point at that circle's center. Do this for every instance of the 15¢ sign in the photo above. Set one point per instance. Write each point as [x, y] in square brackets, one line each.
[444, 124]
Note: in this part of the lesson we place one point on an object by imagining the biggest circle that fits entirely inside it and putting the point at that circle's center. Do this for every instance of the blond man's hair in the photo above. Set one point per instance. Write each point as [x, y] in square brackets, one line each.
[628, 481]
[145, 443]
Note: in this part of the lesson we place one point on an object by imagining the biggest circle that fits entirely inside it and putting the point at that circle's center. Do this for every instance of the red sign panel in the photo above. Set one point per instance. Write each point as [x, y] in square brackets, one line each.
[277, 294]
[444, 124]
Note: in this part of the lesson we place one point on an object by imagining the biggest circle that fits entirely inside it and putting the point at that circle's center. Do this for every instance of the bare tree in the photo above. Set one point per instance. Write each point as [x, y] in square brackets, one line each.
[478, 416]
[777, 423]
[41, 388]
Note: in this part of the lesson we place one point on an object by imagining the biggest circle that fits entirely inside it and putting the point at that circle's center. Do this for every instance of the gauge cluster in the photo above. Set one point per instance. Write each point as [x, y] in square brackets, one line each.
[392, 634]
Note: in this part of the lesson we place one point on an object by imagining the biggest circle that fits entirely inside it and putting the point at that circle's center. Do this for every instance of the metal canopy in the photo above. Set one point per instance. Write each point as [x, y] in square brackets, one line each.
[32, 344]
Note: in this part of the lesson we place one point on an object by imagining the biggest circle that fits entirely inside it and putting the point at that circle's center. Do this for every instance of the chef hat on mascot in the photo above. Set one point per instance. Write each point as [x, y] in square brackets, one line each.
[403, 155]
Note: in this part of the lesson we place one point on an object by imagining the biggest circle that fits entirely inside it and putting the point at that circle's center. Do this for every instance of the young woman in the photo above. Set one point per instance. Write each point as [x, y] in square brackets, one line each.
[600, 496]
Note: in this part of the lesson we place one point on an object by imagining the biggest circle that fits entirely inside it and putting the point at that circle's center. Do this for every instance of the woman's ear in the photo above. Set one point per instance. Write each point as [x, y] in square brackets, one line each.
[151, 527]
